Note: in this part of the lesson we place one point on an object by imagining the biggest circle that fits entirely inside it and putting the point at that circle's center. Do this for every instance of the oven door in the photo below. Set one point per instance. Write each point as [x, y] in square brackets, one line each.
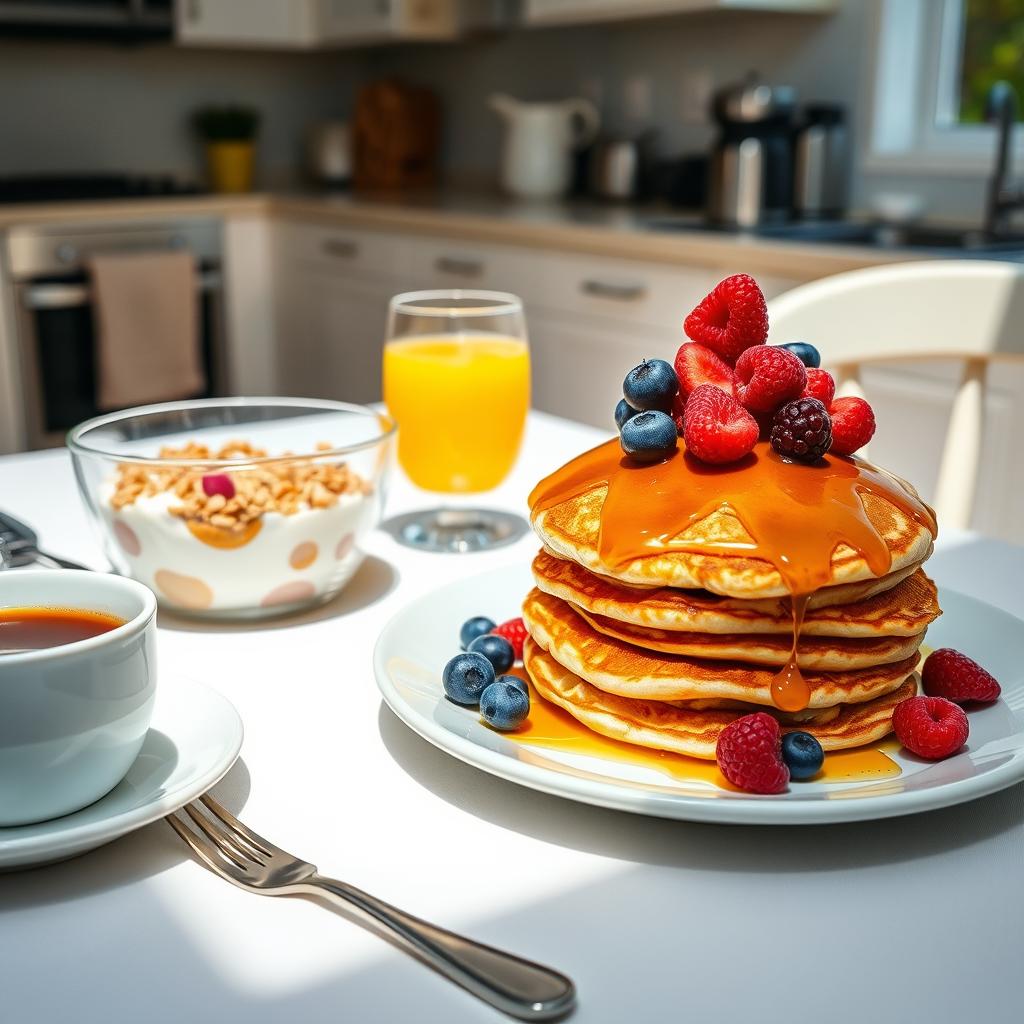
[58, 351]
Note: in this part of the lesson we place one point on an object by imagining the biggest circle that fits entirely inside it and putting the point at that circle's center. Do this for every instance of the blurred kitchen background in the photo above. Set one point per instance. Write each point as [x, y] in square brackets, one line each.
[607, 160]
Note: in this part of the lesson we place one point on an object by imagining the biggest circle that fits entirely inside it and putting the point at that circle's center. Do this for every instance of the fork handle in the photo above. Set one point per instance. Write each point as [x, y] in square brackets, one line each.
[518, 987]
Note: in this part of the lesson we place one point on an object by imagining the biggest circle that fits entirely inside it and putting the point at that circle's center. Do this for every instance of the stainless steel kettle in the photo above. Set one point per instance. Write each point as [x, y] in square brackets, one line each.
[822, 162]
[619, 168]
[752, 161]
[329, 153]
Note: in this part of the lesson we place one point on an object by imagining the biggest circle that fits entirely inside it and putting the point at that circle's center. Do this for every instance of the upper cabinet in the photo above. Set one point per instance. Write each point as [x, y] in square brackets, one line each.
[309, 24]
[564, 12]
[266, 24]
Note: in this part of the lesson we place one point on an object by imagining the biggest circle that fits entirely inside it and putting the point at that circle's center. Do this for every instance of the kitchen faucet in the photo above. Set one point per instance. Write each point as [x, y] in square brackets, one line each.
[1004, 195]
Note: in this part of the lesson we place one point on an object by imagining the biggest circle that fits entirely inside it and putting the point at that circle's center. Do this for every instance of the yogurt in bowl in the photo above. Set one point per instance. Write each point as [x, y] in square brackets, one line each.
[256, 510]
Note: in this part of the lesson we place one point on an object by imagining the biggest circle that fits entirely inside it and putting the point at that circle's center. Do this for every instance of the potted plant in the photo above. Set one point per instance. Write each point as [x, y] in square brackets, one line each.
[230, 137]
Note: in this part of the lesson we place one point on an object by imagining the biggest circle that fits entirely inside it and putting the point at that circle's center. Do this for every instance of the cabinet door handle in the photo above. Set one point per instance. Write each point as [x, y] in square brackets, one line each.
[610, 290]
[343, 248]
[459, 266]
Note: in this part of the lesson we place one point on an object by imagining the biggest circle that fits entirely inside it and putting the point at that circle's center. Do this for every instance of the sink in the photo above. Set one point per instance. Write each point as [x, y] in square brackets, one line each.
[882, 236]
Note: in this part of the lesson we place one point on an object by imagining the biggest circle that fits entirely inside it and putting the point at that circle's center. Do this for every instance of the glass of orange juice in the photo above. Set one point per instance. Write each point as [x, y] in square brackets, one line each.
[457, 382]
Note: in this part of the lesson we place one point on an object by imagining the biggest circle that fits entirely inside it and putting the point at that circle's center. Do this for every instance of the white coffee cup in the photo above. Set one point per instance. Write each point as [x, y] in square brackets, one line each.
[73, 718]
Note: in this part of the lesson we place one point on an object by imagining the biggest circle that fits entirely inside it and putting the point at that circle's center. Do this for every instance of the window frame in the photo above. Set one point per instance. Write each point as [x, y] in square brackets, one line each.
[913, 96]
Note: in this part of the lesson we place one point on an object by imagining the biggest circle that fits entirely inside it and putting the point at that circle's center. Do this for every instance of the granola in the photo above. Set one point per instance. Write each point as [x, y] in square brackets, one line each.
[232, 500]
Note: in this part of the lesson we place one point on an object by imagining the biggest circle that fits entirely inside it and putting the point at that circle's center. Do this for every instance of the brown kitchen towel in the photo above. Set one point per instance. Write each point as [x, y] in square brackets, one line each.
[146, 315]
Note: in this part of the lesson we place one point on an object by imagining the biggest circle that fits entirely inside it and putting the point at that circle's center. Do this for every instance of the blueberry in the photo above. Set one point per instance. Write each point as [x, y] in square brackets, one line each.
[504, 706]
[466, 676]
[472, 628]
[803, 754]
[807, 354]
[623, 412]
[651, 385]
[649, 436]
[516, 681]
[496, 649]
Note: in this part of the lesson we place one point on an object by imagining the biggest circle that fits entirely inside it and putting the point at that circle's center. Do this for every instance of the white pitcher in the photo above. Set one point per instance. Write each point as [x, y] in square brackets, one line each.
[539, 140]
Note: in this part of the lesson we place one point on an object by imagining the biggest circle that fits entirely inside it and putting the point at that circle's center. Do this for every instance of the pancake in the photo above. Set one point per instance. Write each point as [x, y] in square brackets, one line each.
[827, 654]
[902, 603]
[618, 667]
[661, 726]
[729, 529]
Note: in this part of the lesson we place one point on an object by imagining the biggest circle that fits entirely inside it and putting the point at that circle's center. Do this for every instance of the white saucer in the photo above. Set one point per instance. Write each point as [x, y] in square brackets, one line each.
[193, 740]
[414, 646]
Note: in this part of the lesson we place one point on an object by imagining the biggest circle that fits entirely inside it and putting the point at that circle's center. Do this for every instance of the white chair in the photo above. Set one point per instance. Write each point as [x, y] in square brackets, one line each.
[968, 310]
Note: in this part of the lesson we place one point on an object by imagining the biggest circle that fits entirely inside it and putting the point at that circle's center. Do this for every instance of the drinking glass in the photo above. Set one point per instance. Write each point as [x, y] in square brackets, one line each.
[457, 381]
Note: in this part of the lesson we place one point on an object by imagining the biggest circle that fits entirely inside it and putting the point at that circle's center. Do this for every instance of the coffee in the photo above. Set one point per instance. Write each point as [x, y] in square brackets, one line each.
[34, 629]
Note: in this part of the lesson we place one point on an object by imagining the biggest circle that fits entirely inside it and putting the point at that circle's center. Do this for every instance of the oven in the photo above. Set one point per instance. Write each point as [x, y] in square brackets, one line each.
[54, 313]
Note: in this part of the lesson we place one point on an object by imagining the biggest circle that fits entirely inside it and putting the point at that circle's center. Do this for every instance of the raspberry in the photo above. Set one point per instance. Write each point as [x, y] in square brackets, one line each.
[950, 674]
[696, 364]
[749, 753]
[716, 428]
[769, 376]
[514, 631]
[802, 430]
[822, 386]
[930, 727]
[853, 425]
[731, 318]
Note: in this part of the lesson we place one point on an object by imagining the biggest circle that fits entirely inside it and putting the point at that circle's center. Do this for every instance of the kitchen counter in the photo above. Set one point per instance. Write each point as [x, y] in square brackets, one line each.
[579, 226]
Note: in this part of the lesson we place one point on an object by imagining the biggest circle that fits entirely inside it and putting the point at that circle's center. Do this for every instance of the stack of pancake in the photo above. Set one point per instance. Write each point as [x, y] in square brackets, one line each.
[667, 649]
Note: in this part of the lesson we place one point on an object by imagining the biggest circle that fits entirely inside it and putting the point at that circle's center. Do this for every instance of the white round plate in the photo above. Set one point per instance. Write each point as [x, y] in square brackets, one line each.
[193, 740]
[414, 646]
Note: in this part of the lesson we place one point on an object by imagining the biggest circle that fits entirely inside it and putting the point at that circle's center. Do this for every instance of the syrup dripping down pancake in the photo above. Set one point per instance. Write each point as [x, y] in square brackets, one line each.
[900, 604]
[756, 529]
[660, 726]
[620, 668]
[826, 654]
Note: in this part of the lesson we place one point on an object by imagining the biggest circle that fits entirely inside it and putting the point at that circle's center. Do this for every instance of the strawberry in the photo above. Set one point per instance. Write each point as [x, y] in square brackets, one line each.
[731, 318]
[716, 428]
[696, 364]
[514, 631]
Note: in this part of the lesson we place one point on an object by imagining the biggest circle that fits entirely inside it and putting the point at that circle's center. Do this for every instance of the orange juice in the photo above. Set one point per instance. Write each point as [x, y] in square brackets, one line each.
[460, 401]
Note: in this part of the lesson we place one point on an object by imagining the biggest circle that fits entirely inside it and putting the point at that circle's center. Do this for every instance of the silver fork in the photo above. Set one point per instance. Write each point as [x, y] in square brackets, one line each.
[518, 987]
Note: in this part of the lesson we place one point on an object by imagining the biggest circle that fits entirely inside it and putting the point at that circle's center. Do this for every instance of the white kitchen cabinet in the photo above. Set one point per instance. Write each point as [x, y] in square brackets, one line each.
[590, 319]
[441, 263]
[333, 287]
[563, 12]
[246, 23]
[579, 364]
[308, 24]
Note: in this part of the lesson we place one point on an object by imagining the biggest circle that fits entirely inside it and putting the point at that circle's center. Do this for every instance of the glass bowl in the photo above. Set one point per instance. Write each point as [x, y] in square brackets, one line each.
[236, 507]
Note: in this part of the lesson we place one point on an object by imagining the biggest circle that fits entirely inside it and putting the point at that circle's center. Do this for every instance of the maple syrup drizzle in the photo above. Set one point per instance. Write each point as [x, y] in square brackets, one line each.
[795, 515]
[550, 727]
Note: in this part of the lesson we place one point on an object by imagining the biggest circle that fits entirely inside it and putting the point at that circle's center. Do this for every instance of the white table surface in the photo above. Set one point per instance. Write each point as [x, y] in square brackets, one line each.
[915, 919]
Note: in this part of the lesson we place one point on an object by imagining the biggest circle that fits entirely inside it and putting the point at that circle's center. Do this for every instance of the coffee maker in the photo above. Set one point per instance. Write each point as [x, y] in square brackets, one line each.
[751, 179]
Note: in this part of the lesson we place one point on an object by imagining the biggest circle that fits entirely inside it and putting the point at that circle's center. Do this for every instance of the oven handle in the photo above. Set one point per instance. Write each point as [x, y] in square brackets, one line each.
[65, 296]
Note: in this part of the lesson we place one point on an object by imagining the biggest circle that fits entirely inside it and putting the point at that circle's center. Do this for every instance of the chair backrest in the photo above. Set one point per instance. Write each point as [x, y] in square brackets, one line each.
[971, 310]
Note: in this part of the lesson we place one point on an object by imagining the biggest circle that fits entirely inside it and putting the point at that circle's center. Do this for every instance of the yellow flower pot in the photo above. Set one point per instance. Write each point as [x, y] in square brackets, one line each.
[230, 165]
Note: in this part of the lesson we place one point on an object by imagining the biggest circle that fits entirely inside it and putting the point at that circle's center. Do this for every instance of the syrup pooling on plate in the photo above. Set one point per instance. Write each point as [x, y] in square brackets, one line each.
[795, 517]
[552, 728]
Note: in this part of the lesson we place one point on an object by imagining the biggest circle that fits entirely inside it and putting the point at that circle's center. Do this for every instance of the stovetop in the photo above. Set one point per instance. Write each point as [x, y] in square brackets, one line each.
[45, 188]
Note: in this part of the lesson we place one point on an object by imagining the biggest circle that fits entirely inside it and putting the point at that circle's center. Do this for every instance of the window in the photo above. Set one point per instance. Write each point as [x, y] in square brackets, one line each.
[935, 63]
[991, 47]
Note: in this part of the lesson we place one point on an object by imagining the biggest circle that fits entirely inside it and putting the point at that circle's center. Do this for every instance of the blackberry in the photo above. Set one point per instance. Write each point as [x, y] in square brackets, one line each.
[802, 430]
